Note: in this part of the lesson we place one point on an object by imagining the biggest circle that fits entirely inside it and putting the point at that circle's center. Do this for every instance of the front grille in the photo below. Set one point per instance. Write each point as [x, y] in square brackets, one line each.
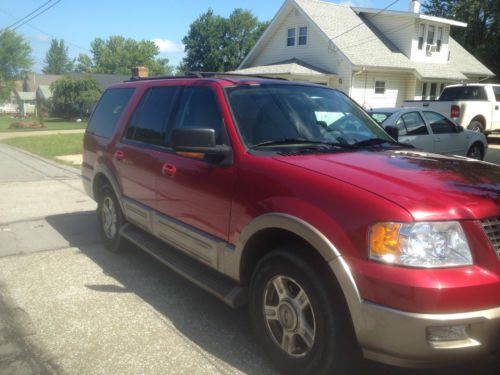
[492, 229]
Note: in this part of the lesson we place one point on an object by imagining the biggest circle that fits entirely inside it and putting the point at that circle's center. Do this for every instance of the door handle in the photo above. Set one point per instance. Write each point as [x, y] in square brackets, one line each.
[496, 108]
[168, 170]
[119, 155]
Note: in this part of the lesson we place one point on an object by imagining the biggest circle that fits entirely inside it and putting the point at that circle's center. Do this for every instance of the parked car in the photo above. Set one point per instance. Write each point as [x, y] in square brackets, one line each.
[475, 106]
[287, 197]
[432, 132]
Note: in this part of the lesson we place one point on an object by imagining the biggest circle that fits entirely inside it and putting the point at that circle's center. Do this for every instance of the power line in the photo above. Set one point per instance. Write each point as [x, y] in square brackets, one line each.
[29, 14]
[362, 23]
[37, 14]
[48, 34]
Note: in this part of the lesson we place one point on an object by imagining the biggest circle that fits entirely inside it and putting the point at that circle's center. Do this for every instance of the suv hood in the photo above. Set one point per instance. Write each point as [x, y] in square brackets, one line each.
[429, 186]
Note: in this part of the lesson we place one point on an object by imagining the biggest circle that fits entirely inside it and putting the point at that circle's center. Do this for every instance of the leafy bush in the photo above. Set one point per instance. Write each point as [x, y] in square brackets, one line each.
[74, 97]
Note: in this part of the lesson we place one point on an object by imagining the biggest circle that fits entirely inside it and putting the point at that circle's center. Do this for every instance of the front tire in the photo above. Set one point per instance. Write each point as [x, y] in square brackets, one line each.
[110, 219]
[476, 151]
[294, 316]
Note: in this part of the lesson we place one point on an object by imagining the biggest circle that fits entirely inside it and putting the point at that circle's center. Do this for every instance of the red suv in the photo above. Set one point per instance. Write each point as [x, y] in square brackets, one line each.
[288, 197]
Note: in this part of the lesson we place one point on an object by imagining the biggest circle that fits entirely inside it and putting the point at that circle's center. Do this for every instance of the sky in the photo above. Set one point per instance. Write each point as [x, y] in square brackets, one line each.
[166, 22]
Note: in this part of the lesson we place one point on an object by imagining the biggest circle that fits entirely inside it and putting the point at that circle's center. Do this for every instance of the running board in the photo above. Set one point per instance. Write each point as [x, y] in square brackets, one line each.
[206, 278]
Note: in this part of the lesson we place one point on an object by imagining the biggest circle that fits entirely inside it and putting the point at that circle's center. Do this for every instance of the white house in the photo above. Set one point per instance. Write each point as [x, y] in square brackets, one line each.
[378, 57]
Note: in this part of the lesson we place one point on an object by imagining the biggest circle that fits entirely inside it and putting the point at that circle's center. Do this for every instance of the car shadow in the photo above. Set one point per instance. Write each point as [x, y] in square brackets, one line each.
[209, 323]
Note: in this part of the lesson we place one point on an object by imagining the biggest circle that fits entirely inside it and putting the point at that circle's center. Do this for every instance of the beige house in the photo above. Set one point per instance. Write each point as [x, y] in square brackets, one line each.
[379, 58]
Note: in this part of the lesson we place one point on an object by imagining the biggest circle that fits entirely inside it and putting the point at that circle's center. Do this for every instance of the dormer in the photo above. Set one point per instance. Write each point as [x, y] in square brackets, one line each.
[420, 37]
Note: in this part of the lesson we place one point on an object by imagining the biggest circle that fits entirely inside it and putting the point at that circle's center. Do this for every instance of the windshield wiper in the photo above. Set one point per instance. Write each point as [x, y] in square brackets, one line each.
[287, 141]
[376, 142]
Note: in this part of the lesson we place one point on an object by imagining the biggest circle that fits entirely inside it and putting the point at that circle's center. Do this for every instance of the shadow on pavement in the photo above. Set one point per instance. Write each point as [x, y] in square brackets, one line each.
[200, 317]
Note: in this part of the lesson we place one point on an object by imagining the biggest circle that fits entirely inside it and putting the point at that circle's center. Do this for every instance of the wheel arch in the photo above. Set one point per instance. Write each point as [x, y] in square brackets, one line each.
[268, 231]
[481, 119]
[104, 176]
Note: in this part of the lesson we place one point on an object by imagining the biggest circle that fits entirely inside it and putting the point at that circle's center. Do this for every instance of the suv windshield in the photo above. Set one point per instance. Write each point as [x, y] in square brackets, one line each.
[272, 115]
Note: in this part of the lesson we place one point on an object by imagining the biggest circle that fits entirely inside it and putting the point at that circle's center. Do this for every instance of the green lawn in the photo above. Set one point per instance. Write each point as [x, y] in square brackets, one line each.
[49, 146]
[50, 123]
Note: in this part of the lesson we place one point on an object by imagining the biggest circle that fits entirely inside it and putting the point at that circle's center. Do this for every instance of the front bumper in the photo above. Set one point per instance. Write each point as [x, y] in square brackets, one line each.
[401, 338]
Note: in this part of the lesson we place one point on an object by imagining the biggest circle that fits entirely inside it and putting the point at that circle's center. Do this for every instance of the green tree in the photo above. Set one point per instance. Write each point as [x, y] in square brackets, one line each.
[74, 97]
[215, 43]
[14, 59]
[482, 35]
[57, 60]
[83, 64]
[118, 55]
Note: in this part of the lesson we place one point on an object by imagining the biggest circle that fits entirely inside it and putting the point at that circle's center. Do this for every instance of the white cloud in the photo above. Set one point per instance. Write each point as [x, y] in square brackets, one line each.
[168, 46]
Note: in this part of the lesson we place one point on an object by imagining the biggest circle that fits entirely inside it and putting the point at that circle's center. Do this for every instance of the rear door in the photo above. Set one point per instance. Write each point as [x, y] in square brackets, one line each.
[413, 130]
[447, 138]
[136, 156]
[496, 108]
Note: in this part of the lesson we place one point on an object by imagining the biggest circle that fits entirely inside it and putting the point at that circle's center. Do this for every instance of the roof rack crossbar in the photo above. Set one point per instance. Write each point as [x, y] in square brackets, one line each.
[202, 75]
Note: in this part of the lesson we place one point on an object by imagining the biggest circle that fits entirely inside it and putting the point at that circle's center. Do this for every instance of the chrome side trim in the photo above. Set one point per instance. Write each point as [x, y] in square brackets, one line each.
[195, 243]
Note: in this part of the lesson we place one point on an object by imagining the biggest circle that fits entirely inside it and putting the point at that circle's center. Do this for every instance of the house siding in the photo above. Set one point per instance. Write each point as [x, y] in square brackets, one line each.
[398, 88]
[317, 52]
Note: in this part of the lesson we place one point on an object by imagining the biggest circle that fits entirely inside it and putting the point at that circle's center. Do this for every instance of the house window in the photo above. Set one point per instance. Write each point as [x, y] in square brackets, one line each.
[430, 34]
[424, 91]
[421, 34]
[380, 87]
[439, 41]
[290, 41]
[433, 93]
[302, 36]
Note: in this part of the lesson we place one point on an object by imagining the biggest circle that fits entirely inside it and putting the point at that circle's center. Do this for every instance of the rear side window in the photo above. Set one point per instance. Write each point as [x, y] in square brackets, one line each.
[496, 90]
[109, 109]
[150, 119]
[439, 123]
[413, 124]
[463, 93]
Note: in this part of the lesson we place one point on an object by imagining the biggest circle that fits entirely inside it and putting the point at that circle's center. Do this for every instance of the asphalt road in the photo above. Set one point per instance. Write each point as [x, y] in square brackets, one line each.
[69, 307]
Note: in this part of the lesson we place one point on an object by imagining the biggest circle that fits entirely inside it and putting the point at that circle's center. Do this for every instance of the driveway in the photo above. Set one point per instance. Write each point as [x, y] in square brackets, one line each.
[67, 306]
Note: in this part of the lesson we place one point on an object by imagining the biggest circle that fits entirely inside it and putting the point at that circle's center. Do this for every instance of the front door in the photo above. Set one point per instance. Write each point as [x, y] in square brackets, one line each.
[197, 192]
[413, 130]
[447, 138]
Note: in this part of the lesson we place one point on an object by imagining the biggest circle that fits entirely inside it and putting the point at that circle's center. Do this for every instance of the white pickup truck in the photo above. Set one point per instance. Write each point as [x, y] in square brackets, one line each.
[474, 106]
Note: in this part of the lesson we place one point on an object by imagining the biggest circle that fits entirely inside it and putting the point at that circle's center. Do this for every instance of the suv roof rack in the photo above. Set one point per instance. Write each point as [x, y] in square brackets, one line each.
[236, 75]
[202, 75]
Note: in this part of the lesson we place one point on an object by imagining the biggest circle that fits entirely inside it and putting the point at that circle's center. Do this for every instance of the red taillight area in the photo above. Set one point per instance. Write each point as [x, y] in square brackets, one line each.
[455, 111]
[427, 290]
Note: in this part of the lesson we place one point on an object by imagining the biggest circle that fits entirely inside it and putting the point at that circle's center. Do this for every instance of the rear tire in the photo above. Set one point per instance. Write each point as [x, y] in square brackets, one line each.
[110, 217]
[293, 314]
[476, 151]
[476, 125]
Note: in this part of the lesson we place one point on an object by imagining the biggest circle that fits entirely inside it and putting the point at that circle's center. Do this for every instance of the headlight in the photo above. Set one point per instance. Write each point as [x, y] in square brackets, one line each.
[426, 244]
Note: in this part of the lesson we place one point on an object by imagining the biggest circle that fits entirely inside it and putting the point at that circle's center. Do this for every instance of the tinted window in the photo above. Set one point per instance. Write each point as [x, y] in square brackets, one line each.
[496, 90]
[464, 93]
[439, 123]
[105, 117]
[150, 119]
[414, 124]
[280, 112]
[380, 117]
[198, 109]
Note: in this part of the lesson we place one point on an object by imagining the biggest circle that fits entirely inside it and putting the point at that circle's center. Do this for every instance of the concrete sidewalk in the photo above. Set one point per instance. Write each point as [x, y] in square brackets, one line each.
[20, 134]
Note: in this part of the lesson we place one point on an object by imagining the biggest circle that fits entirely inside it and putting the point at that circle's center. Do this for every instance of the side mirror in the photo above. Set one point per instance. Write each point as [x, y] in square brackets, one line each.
[200, 141]
[393, 131]
[460, 128]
